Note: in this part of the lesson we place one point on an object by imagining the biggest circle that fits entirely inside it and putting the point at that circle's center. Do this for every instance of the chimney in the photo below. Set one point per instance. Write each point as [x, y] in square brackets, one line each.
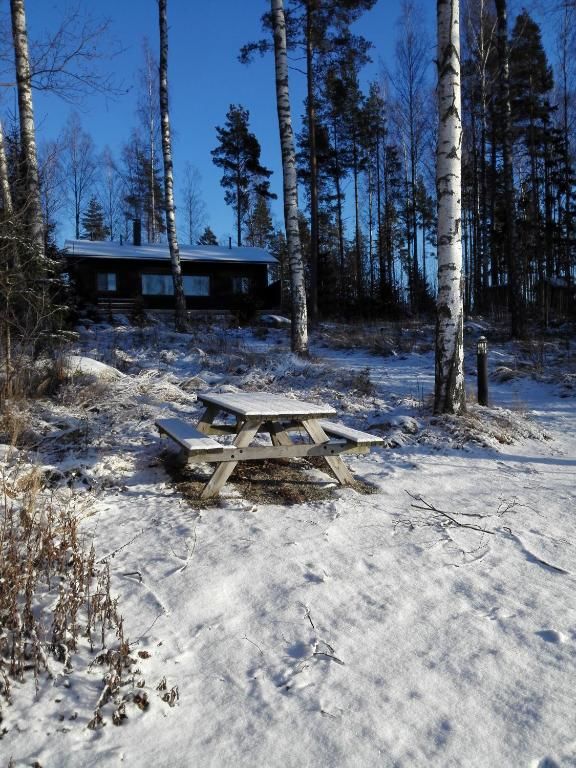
[230, 243]
[137, 232]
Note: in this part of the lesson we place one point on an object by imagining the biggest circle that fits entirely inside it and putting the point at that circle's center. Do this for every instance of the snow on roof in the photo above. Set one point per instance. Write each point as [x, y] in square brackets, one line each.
[96, 249]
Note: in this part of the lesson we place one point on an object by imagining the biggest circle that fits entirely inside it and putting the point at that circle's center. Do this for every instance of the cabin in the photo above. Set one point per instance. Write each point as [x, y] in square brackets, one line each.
[119, 277]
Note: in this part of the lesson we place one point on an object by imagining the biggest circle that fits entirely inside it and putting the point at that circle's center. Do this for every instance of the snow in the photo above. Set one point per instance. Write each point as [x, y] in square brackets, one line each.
[109, 250]
[429, 623]
[80, 365]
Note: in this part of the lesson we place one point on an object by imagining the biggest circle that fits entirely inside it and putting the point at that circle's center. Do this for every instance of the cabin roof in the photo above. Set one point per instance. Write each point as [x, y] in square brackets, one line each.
[97, 249]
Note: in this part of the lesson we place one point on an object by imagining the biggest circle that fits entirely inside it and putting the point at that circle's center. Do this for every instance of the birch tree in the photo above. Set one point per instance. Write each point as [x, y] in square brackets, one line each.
[27, 128]
[180, 315]
[299, 313]
[449, 390]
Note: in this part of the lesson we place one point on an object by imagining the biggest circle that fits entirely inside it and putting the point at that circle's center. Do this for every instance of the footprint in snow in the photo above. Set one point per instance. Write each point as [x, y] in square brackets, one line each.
[551, 636]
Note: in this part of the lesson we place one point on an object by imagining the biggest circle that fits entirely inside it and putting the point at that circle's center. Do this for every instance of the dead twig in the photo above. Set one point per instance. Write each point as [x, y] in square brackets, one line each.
[427, 507]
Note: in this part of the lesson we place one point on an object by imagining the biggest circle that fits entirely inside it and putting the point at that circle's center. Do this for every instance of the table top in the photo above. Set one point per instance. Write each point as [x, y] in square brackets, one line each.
[265, 406]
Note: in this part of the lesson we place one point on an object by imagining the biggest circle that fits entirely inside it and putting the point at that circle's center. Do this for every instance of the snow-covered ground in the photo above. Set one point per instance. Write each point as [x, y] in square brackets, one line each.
[429, 623]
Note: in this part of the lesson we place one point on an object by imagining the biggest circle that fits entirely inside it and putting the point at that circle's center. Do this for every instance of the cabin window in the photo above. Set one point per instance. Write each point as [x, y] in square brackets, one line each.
[157, 285]
[241, 285]
[106, 281]
[196, 285]
[163, 285]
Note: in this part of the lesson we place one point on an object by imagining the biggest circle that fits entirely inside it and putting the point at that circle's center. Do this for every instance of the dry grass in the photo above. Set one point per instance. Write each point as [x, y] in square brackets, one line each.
[55, 601]
[282, 481]
[382, 339]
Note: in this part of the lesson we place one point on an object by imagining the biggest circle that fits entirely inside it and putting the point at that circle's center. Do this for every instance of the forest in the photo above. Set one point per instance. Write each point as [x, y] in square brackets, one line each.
[190, 573]
[365, 162]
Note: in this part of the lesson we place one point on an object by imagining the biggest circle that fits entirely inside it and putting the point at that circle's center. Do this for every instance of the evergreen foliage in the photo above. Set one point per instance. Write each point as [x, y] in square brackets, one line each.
[93, 226]
[238, 155]
[207, 237]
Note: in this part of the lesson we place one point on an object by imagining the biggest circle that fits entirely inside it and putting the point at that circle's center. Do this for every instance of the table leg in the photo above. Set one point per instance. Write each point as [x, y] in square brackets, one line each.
[225, 468]
[278, 434]
[207, 419]
[314, 429]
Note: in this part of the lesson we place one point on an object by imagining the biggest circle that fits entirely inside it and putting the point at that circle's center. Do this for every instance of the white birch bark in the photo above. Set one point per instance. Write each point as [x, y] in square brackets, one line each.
[299, 312]
[4, 181]
[5, 330]
[449, 389]
[27, 129]
[180, 315]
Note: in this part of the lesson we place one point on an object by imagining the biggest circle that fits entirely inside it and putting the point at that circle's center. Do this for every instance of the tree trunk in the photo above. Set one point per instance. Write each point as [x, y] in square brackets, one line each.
[311, 108]
[4, 180]
[379, 233]
[357, 244]
[180, 314]
[514, 280]
[299, 313]
[27, 129]
[568, 17]
[152, 146]
[6, 332]
[341, 254]
[449, 394]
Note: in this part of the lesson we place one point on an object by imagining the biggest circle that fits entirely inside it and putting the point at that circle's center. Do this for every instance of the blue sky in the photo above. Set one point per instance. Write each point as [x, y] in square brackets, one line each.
[205, 78]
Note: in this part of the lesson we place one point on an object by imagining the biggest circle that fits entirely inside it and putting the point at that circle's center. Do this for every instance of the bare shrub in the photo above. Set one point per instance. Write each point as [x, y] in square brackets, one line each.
[55, 601]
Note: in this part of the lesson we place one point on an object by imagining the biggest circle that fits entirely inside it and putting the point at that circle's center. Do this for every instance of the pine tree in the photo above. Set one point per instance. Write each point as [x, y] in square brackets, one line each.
[531, 83]
[144, 195]
[515, 282]
[207, 237]
[318, 29]
[259, 227]
[93, 225]
[238, 154]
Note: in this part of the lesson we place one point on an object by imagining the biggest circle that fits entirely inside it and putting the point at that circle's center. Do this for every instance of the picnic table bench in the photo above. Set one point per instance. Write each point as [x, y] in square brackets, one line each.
[255, 413]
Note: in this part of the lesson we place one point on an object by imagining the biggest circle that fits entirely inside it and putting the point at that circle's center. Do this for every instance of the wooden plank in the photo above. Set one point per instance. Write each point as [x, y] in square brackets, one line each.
[353, 435]
[188, 436]
[205, 421]
[225, 469]
[278, 434]
[260, 452]
[261, 405]
[343, 474]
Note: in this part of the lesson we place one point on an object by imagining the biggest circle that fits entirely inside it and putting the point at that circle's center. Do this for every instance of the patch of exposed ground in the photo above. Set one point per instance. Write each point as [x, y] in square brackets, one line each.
[294, 481]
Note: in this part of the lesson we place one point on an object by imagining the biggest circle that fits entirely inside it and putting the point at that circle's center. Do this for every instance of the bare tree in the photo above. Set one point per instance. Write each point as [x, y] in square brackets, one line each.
[148, 111]
[52, 181]
[80, 165]
[413, 121]
[66, 61]
[449, 394]
[299, 314]
[180, 315]
[193, 203]
[110, 186]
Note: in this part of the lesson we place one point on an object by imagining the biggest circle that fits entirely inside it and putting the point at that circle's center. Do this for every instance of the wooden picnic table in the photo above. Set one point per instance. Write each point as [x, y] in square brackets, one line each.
[255, 413]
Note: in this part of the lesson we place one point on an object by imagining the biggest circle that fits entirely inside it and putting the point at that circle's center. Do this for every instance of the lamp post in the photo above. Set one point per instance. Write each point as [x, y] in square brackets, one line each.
[482, 362]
